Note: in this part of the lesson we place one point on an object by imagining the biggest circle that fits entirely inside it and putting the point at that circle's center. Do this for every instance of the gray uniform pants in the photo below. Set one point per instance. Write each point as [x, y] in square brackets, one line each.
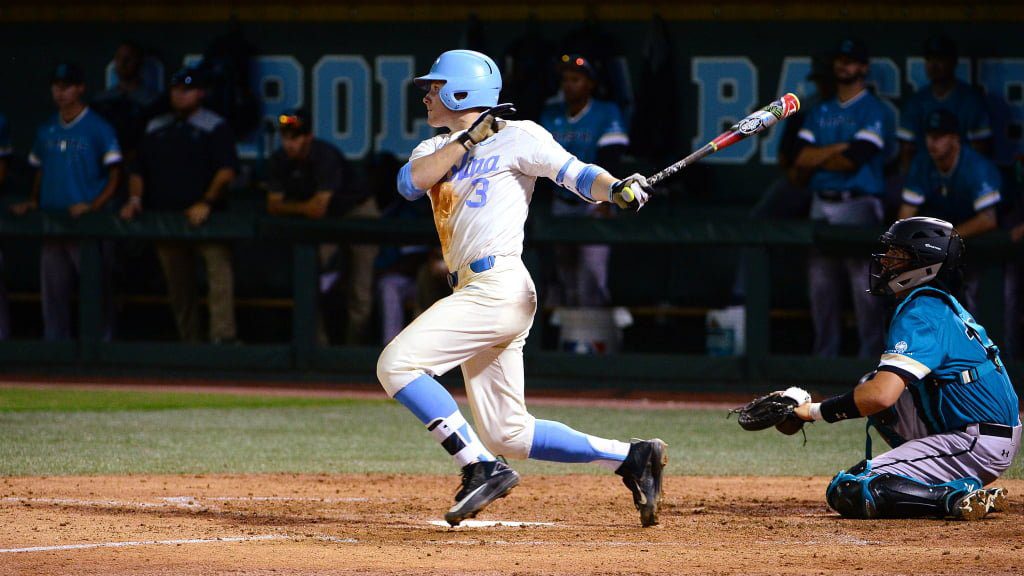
[59, 264]
[940, 458]
[828, 277]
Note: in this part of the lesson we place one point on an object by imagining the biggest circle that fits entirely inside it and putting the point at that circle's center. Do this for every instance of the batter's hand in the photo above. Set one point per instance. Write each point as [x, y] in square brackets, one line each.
[198, 213]
[487, 124]
[631, 192]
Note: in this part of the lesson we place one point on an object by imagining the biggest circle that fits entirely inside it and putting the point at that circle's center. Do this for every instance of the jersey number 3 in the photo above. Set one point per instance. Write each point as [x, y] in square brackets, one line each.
[478, 196]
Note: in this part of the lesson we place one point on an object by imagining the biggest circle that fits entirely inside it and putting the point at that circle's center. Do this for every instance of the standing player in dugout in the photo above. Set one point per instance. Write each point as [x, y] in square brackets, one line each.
[480, 178]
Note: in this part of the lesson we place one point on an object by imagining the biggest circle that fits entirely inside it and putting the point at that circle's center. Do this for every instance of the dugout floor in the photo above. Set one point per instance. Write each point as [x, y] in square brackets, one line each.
[329, 524]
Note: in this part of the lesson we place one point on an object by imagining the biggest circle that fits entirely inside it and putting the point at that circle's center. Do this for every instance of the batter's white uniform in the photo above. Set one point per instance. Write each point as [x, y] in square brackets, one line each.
[480, 209]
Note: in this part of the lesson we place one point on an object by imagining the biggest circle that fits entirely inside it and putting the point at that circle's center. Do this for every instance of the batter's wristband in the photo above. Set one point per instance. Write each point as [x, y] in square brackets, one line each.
[466, 141]
[839, 408]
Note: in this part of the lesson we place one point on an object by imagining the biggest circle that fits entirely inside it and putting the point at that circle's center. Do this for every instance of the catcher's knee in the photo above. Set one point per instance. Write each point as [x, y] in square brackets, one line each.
[860, 494]
[848, 493]
[511, 440]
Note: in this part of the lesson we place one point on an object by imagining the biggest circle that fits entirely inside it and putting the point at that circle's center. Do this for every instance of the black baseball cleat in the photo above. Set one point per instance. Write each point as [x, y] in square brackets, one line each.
[641, 473]
[482, 483]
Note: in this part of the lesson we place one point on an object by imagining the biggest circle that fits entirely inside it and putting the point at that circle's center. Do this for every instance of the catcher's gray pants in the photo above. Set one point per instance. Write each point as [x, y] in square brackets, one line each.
[829, 275]
[940, 458]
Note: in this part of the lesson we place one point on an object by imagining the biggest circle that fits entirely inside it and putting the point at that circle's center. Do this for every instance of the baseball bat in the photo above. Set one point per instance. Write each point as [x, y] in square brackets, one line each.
[753, 124]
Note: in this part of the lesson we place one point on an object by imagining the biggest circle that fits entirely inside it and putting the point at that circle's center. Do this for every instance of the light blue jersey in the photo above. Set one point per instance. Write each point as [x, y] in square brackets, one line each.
[74, 157]
[972, 186]
[5, 138]
[963, 100]
[956, 377]
[599, 124]
[863, 117]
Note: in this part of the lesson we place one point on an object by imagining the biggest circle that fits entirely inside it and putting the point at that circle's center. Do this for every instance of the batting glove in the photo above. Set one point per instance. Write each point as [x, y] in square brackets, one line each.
[630, 192]
[487, 124]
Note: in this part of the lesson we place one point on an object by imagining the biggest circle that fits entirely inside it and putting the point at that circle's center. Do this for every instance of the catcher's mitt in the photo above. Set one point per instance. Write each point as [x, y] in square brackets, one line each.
[775, 409]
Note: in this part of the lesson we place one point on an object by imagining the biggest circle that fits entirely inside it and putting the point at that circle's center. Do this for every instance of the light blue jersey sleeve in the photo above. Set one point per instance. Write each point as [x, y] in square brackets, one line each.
[915, 189]
[108, 146]
[613, 133]
[38, 152]
[974, 114]
[985, 183]
[5, 138]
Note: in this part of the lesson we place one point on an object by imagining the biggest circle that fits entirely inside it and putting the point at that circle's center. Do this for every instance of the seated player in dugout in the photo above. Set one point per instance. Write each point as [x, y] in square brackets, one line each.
[954, 182]
[480, 178]
[940, 397]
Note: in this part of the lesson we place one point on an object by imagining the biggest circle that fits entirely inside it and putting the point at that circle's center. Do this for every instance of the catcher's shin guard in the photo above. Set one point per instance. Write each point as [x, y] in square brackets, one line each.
[858, 494]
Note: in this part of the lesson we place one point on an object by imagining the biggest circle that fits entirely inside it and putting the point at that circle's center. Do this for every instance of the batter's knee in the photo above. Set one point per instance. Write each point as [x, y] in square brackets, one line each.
[511, 440]
[392, 372]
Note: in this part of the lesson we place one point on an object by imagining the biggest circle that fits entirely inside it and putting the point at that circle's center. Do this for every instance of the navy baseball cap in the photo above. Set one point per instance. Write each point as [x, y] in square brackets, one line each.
[294, 122]
[68, 73]
[578, 63]
[190, 77]
[854, 49]
[942, 121]
[940, 47]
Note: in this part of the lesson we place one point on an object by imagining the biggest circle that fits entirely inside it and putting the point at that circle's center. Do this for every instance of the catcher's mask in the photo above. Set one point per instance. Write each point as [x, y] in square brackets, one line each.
[917, 251]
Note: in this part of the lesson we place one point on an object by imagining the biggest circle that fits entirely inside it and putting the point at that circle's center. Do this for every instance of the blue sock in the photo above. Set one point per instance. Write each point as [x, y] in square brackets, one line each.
[556, 442]
[436, 408]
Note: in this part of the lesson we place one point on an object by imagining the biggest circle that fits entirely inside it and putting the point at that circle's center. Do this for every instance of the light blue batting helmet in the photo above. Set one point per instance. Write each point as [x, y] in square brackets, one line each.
[466, 73]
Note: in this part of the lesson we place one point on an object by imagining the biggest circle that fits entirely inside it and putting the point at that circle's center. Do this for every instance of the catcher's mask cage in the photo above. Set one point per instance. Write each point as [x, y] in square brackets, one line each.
[928, 247]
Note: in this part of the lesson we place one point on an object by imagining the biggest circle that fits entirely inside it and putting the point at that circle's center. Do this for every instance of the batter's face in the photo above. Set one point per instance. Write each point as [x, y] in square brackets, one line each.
[942, 146]
[847, 70]
[438, 115]
[65, 94]
[576, 86]
[186, 99]
[296, 146]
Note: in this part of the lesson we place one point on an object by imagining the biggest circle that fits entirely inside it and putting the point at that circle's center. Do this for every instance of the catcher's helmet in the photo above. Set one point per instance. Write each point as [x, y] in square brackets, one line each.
[931, 249]
[471, 79]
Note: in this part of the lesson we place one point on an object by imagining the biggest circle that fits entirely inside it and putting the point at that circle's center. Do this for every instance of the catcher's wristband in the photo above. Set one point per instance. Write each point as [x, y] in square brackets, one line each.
[815, 411]
[839, 408]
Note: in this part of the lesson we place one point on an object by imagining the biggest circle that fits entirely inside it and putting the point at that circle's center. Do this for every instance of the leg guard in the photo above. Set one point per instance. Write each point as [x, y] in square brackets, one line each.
[859, 494]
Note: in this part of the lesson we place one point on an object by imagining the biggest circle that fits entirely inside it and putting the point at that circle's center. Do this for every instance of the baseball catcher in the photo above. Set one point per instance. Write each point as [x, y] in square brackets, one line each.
[940, 396]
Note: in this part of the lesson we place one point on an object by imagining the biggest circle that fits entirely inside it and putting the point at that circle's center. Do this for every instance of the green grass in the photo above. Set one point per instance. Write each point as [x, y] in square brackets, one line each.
[60, 432]
[78, 400]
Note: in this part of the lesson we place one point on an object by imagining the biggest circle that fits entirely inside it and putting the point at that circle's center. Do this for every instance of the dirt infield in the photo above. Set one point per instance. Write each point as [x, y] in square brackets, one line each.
[328, 524]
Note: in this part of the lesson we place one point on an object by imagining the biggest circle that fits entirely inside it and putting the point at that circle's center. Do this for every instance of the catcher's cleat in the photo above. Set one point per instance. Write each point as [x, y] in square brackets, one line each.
[997, 500]
[482, 483]
[971, 506]
[641, 473]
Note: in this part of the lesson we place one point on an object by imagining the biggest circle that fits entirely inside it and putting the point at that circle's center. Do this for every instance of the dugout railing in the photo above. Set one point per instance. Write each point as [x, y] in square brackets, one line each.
[301, 358]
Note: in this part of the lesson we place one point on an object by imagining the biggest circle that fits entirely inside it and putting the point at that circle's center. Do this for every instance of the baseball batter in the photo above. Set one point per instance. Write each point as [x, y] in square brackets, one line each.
[940, 396]
[480, 178]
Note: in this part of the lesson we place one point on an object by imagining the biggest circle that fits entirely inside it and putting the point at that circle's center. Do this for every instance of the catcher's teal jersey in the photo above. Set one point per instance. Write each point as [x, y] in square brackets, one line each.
[863, 117]
[972, 186]
[963, 100]
[955, 375]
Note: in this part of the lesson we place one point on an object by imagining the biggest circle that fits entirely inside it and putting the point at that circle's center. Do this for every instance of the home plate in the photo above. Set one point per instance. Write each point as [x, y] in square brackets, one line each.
[488, 524]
